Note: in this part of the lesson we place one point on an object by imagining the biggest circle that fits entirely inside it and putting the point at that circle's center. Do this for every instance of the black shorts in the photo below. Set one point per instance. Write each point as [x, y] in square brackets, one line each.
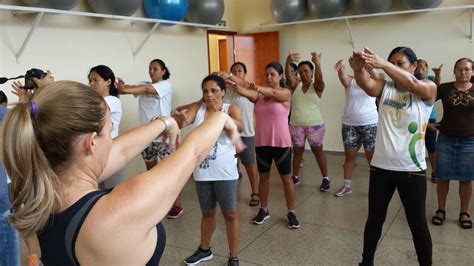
[266, 155]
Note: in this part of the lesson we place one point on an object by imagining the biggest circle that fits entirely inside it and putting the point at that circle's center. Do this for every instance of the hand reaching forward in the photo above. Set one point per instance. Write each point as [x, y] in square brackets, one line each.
[372, 60]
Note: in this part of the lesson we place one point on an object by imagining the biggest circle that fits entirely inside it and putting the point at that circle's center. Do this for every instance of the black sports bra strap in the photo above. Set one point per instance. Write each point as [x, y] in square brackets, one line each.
[75, 225]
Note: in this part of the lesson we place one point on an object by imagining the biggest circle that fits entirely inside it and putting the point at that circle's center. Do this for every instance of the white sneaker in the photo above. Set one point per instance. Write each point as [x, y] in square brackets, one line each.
[343, 191]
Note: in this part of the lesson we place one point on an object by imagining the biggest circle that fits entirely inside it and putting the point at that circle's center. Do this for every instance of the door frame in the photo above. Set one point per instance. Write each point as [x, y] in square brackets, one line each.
[217, 32]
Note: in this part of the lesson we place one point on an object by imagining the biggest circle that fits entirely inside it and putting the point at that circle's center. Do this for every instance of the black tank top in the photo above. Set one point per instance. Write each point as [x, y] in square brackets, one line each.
[58, 238]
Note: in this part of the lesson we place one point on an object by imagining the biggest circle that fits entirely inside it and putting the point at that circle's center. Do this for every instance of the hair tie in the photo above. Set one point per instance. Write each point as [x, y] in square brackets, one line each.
[34, 109]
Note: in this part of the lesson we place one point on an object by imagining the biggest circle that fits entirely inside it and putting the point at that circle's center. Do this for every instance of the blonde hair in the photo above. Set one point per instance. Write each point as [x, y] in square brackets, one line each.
[36, 144]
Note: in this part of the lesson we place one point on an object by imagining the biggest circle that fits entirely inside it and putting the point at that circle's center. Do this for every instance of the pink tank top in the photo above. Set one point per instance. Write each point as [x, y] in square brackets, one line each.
[272, 123]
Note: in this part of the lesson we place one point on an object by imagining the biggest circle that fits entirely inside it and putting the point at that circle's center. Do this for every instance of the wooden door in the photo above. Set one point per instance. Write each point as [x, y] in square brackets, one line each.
[223, 63]
[256, 50]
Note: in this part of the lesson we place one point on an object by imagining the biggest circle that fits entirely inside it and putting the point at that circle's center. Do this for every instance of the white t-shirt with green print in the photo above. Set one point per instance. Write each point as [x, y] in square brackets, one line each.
[400, 141]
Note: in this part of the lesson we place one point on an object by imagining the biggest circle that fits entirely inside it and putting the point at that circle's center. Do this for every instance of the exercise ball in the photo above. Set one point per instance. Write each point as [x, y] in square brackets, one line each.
[205, 11]
[115, 7]
[327, 8]
[56, 4]
[288, 10]
[166, 9]
[372, 6]
[420, 4]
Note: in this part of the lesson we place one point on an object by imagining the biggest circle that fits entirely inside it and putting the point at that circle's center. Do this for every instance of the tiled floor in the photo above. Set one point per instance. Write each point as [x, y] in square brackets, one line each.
[331, 230]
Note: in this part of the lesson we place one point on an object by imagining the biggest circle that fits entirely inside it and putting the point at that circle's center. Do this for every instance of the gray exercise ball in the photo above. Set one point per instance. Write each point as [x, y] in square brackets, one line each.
[372, 6]
[327, 8]
[288, 10]
[205, 11]
[420, 4]
[115, 7]
[56, 4]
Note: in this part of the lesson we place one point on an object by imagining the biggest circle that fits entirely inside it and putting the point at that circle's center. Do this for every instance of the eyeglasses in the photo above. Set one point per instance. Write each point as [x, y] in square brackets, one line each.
[459, 70]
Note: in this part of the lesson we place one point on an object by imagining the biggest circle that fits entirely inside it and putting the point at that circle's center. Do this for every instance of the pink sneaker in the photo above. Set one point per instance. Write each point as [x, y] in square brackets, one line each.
[175, 212]
[343, 191]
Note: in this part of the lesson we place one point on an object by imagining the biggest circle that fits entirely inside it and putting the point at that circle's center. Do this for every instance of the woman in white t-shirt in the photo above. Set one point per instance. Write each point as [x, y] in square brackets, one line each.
[399, 157]
[102, 79]
[154, 99]
[359, 124]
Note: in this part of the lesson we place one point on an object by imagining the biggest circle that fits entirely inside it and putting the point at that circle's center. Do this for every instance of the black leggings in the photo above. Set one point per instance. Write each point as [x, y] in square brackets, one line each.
[411, 187]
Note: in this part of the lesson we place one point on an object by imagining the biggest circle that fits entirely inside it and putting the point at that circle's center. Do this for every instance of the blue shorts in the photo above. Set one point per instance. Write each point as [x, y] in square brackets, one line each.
[455, 158]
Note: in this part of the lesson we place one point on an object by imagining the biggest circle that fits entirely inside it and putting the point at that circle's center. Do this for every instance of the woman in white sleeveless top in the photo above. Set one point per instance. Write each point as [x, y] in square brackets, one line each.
[399, 157]
[359, 124]
[216, 176]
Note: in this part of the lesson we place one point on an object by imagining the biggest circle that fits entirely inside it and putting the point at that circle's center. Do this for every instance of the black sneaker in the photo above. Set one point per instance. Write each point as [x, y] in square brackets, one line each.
[296, 180]
[233, 261]
[199, 256]
[325, 185]
[261, 217]
[292, 221]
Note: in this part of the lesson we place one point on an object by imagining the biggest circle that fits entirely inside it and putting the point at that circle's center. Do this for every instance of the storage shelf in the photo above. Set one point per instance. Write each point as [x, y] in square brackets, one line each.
[42, 11]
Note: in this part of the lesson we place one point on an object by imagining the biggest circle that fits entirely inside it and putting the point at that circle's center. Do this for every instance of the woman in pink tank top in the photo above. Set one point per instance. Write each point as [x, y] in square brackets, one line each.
[272, 136]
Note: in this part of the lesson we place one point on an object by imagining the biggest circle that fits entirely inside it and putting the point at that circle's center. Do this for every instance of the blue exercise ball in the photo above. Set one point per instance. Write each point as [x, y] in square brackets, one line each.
[115, 7]
[420, 4]
[205, 11]
[327, 8]
[288, 10]
[55, 4]
[166, 9]
[372, 6]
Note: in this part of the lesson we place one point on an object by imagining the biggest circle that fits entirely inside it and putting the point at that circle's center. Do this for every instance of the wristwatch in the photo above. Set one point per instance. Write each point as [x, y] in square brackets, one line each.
[165, 121]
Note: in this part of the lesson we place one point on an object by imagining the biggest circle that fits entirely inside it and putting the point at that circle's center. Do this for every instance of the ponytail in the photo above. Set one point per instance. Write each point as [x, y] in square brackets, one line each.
[34, 184]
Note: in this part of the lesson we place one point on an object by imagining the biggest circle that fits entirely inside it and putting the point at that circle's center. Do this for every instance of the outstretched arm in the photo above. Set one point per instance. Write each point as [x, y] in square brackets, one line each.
[135, 89]
[127, 146]
[341, 73]
[291, 80]
[148, 197]
[318, 74]
[425, 89]
[373, 87]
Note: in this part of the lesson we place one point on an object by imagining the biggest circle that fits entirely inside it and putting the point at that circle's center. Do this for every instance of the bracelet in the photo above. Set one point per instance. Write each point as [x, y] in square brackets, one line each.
[165, 121]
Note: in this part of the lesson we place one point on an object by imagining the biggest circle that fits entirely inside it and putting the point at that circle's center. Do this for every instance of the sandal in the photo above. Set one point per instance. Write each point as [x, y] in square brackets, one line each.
[466, 223]
[254, 202]
[436, 220]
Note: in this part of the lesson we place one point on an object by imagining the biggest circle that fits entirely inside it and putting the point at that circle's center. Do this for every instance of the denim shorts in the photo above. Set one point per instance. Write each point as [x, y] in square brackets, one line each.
[430, 138]
[211, 192]
[455, 158]
[9, 243]
[353, 135]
